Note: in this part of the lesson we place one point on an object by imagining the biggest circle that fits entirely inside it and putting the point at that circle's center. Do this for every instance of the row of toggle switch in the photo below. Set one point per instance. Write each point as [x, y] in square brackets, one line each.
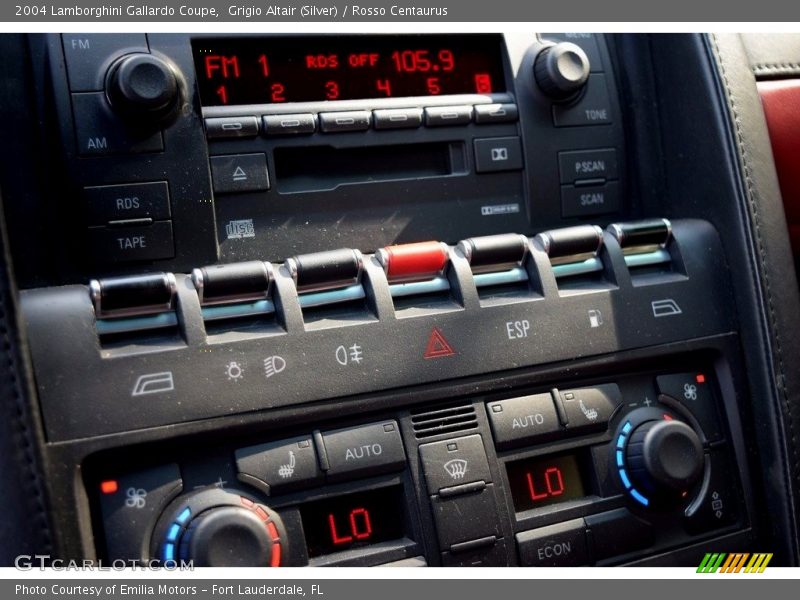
[333, 278]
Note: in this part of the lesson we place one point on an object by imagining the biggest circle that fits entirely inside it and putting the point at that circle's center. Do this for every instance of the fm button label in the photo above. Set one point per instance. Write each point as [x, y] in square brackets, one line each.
[363, 450]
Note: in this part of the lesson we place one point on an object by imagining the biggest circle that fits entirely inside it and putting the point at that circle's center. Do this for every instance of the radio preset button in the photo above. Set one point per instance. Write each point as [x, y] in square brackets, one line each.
[397, 118]
[440, 116]
[289, 124]
[351, 120]
[525, 420]
[282, 465]
[587, 164]
[105, 203]
[231, 127]
[587, 200]
[363, 450]
[139, 242]
[496, 113]
[561, 545]
[239, 173]
[454, 463]
[498, 154]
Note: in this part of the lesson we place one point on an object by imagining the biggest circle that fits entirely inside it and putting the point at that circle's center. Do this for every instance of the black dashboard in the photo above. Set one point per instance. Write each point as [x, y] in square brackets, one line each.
[415, 300]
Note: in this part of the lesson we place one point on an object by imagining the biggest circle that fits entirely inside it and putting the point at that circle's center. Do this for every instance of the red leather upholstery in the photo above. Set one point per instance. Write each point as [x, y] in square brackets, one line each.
[781, 100]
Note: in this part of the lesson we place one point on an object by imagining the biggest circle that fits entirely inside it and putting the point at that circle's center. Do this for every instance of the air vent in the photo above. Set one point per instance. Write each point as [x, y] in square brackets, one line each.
[445, 419]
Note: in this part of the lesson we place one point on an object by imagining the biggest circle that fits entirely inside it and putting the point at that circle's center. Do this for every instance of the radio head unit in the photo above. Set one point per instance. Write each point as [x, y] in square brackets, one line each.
[273, 70]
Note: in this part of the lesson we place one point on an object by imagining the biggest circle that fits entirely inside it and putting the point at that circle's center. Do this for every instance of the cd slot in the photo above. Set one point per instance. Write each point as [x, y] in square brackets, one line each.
[318, 168]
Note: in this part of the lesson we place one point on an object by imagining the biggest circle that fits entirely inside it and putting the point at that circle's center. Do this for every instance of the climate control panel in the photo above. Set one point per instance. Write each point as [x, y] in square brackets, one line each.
[600, 473]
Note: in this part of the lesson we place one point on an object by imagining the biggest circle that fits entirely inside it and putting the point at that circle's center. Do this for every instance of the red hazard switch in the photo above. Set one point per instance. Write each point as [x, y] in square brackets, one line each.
[438, 346]
[409, 262]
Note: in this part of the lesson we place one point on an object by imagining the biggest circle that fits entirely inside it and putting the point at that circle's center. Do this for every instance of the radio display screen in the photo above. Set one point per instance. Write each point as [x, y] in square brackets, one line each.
[353, 521]
[545, 480]
[274, 70]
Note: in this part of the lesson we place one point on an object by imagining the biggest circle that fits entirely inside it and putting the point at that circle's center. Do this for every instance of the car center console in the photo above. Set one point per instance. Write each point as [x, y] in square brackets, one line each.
[376, 299]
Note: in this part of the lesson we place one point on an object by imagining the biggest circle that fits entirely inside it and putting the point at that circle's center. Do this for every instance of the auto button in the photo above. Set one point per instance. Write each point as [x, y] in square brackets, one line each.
[363, 450]
[521, 421]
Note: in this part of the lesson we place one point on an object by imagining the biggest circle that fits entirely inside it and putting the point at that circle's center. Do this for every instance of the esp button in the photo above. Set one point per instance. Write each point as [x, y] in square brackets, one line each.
[282, 465]
[107, 203]
[363, 450]
[521, 421]
[454, 463]
[130, 506]
[590, 407]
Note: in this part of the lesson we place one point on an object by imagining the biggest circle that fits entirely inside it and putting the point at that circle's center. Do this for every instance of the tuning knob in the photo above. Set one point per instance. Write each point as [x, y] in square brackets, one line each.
[143, 87]
[220, 528]
[659, 458]
[561, 70]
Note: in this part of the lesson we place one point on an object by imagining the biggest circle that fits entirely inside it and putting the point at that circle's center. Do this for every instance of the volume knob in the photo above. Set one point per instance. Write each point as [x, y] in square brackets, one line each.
[561, 70]
[142, 86]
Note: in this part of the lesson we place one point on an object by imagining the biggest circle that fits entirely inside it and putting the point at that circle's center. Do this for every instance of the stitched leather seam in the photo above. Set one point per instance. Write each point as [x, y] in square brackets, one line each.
[752, 197]
[26, 434]
[777, 69]
[777, 65]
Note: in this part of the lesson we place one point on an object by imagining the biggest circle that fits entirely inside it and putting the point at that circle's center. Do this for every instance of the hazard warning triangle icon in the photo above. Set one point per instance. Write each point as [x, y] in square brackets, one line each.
[437, 346]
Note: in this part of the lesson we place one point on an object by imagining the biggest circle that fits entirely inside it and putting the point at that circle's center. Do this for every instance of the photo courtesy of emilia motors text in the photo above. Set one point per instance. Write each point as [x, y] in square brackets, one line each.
[398, 299]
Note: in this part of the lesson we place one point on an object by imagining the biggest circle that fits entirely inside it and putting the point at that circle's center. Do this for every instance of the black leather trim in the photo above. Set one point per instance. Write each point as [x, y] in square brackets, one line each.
[24, 518]
[778, 288]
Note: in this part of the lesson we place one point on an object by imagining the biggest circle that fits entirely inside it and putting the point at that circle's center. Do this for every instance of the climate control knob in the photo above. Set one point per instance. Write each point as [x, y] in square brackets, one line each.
[665, 456]
[561, 70]
[660, 459]
[141, 86]
[220, 528]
